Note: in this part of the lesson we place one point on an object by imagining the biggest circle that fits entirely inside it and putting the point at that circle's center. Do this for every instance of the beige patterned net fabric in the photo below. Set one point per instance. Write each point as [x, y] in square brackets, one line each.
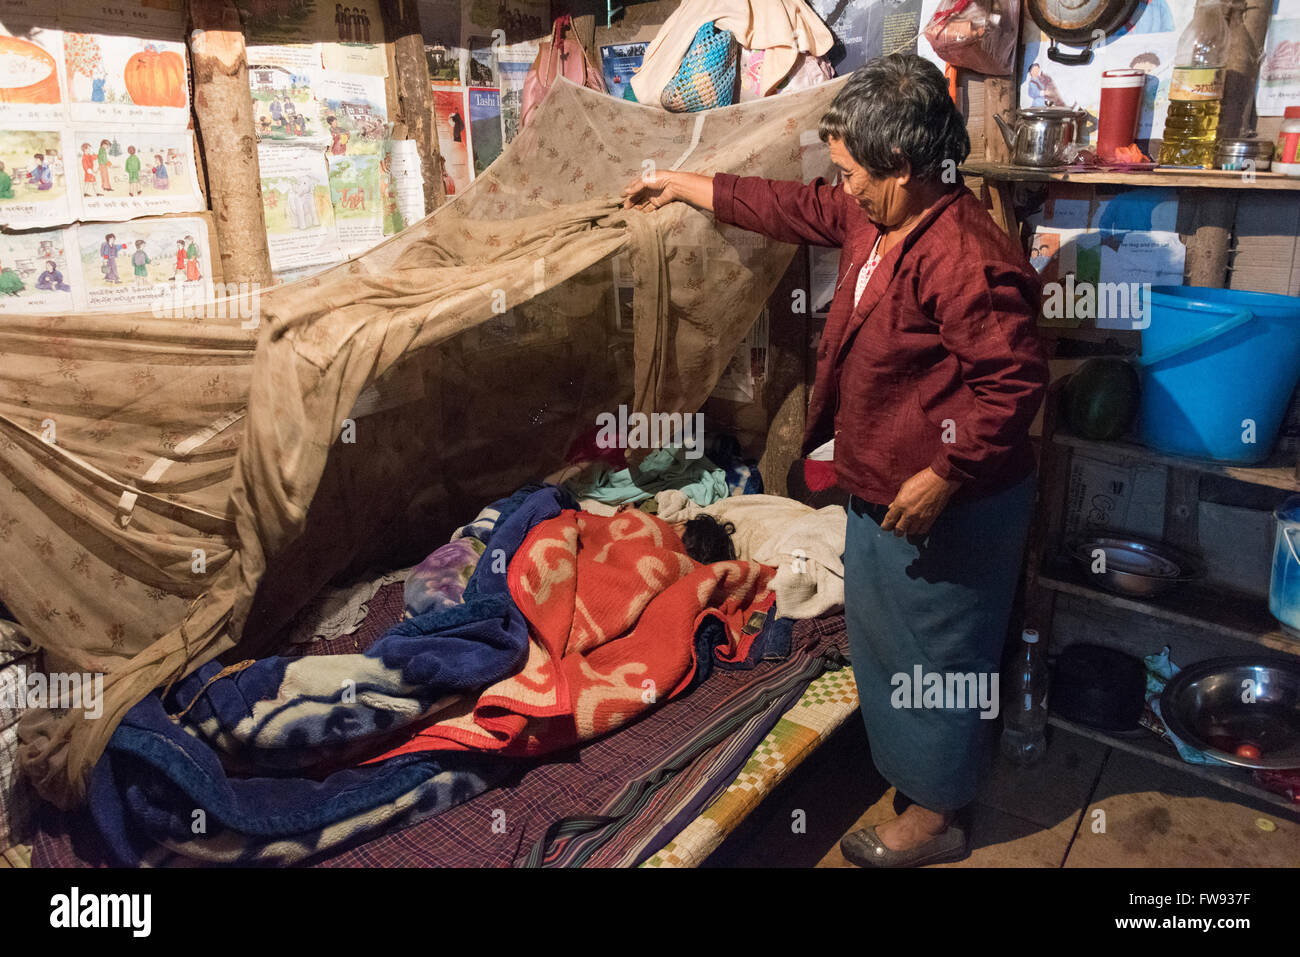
[174, 490]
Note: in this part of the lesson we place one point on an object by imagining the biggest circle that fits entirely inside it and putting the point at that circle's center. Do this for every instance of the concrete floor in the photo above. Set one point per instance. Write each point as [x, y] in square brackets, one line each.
[1084, 805]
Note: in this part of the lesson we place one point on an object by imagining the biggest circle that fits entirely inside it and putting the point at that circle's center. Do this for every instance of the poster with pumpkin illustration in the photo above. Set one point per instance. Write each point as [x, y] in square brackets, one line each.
[114, 79]
[30, 91]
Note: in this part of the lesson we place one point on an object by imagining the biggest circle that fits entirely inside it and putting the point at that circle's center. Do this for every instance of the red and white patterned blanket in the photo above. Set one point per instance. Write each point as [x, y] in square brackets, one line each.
[613, 604]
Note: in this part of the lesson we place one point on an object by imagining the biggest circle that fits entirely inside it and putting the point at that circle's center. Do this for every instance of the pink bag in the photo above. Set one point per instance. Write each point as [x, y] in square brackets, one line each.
[563, 55]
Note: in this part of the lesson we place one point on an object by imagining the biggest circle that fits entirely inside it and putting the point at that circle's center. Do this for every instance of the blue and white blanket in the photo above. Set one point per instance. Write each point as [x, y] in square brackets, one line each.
[167, 781]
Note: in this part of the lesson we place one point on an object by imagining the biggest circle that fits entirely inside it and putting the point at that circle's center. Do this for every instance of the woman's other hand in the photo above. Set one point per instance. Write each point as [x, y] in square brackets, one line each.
[918, 503]
[649, 191]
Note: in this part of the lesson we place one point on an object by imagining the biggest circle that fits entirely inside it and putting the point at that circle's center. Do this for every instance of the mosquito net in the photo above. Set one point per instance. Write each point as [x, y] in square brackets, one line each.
[175, 489]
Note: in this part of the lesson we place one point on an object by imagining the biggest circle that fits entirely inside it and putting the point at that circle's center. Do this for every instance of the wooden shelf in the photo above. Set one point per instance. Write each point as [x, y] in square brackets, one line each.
[1241, 617]
[1151, 746]
[1276, 473]
[1166, 176]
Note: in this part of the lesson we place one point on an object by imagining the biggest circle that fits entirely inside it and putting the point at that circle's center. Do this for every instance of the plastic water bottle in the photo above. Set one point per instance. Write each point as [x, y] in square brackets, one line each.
[1196, 89]
[1024, 718]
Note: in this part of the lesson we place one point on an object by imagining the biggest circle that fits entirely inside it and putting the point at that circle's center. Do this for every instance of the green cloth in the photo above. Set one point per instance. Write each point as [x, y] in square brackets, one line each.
[698, 479]
[133, 168]
[6, 186]
[10, 284]
[103, 156]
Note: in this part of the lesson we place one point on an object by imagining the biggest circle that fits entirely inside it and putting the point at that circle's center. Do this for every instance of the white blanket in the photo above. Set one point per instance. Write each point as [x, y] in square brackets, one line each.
[805, 545]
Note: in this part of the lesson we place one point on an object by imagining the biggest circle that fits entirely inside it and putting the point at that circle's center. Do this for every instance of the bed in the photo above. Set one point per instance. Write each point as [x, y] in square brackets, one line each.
[661, 791]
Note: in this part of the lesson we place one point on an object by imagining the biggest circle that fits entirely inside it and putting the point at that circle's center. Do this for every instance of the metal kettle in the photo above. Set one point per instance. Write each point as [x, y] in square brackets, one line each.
[1043, 136]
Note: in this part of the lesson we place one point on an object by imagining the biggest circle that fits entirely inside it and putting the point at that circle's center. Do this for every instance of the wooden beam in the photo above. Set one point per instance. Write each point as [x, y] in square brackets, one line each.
[223, 108]
[414, 96]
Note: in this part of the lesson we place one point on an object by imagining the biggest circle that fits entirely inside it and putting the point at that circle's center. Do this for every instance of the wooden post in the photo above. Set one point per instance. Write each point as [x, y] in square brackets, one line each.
[414, 97]
[999, 99]
[223, 105]
[1248, 24]
[1210, 247]
[785, 391]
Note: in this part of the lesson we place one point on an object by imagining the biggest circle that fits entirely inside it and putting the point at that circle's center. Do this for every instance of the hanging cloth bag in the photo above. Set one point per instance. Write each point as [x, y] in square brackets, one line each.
[708, 76]
[561, 55]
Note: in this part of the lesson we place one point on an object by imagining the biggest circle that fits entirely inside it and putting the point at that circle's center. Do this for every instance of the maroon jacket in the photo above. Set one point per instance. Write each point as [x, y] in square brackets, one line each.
[939, 365]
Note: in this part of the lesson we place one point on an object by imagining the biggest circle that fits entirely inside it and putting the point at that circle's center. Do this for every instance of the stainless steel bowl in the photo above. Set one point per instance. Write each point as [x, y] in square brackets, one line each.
[1220, 704]
[1135, 567]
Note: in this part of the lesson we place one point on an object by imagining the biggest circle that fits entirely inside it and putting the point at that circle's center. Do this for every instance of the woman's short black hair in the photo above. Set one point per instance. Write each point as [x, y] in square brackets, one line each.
[896, 111]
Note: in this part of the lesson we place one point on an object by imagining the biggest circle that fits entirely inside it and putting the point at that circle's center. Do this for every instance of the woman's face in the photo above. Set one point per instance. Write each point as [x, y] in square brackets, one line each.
[882, 198]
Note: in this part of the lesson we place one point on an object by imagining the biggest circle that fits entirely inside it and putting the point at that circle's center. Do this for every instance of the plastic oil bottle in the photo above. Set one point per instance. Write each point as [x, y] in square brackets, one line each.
[1196, 90]
[1024, 717]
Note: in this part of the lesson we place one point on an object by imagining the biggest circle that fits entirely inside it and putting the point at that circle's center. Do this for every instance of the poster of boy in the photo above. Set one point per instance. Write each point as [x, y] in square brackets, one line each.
[33, 190]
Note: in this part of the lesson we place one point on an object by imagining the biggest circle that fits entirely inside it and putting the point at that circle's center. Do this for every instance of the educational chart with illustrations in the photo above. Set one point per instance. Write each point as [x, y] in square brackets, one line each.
[129, 265]
[296, 199]
[31, 90]
[355, 111]
[139, 173]
[317, 75]
[285, 108]
[33, 179]
[36, 273]
[115, 79]
[358, 205]
[94, 125]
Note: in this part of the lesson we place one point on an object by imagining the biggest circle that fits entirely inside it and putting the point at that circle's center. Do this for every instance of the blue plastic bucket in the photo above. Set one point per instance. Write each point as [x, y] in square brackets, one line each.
[1218, 370]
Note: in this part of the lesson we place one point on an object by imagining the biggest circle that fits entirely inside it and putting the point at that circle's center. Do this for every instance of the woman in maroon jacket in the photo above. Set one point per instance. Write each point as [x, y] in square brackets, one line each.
[929, 373]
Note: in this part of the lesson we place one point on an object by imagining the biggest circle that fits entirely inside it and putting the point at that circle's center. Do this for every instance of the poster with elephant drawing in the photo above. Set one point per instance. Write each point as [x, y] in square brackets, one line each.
[127, 266]
[30, 87]
[33, 179]
[126, 173]
[300, 228]
[37, 274]
[124, 79]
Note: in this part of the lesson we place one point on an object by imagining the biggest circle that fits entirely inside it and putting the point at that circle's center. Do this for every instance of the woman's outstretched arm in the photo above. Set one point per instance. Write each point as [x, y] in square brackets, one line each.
[789, 212]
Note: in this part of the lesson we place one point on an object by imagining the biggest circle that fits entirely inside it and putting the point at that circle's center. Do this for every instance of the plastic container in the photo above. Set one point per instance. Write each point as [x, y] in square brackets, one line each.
[1218, 370]
[1287, 157]
[1024, 719]
[1284, 586]
[1196, 89]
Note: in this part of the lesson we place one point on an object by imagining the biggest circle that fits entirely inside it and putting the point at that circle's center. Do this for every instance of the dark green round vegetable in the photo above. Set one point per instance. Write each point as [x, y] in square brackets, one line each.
[1100, 400]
